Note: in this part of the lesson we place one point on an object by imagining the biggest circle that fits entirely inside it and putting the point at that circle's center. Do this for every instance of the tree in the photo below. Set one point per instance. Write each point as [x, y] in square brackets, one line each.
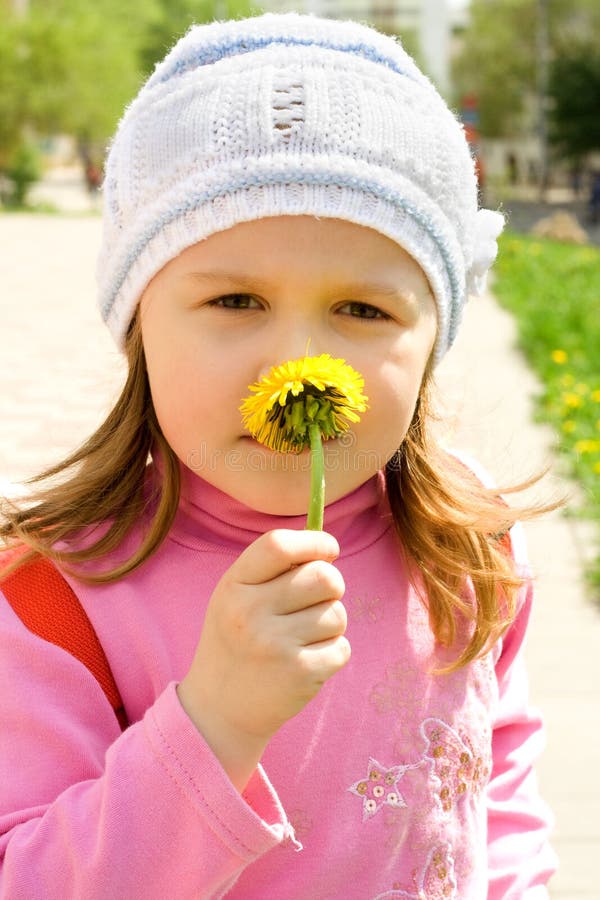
[67, 66]
[498, 61]
[574, 91]
[12, 114]
[72, 66]
[94, 52]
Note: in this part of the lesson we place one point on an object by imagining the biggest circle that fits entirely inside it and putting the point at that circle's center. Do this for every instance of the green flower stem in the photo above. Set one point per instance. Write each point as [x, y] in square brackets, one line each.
[314, 521]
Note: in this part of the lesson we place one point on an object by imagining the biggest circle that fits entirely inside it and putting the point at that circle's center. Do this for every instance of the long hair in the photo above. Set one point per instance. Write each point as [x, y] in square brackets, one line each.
[455, 533]
[450, 525]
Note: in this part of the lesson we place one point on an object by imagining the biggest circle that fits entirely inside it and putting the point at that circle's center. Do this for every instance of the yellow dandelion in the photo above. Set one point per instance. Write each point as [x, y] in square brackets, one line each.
[597, 467]
[312, 390]
[596, 396]
[299, 404]
[569, 426]
[572, 400]
[587, 446]
[559, 357]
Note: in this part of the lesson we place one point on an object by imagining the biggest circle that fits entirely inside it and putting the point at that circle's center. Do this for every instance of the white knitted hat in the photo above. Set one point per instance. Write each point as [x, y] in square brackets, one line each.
[297, 115]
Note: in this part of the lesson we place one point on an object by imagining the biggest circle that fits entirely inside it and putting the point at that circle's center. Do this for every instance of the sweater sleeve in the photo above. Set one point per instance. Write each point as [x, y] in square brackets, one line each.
[520, 859]
[86, 811]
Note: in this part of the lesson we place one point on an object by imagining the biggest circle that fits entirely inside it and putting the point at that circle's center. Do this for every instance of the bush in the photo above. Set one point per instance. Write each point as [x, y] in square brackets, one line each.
[23, 170]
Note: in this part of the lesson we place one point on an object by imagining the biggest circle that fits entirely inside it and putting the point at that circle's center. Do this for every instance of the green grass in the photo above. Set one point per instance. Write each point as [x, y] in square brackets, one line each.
[553, 290]
[43, 208]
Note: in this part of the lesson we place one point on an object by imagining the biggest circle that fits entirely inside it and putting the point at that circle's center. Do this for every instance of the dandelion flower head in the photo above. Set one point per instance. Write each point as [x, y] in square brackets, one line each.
[299, 393]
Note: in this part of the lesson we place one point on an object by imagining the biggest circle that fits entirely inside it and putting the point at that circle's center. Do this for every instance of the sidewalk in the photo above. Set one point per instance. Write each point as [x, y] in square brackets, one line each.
[61, 374]
[59, 368]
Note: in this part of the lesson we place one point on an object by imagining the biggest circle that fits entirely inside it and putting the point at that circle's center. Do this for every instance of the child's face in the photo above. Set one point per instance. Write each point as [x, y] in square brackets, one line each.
[219, 315]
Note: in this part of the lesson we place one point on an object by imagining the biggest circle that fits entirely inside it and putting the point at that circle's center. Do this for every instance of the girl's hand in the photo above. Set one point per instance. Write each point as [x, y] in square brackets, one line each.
[272, 635]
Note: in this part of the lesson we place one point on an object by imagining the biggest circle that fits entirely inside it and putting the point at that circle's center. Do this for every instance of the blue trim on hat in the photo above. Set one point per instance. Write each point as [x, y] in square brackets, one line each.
[210, 54]
[196, 200]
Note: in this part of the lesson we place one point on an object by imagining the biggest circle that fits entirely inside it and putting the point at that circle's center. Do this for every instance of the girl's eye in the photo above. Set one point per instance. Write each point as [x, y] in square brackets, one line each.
[363, 311]
[235, 301]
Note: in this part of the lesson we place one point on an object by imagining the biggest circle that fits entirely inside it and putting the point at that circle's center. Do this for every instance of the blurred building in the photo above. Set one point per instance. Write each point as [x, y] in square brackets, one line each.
[426, 25]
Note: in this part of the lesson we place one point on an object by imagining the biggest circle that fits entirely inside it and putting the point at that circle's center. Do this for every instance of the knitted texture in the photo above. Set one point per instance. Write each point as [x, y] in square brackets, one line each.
[291, 115]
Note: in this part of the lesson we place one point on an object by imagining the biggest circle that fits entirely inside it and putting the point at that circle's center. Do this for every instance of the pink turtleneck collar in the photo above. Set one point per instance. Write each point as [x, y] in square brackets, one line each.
[207, 516]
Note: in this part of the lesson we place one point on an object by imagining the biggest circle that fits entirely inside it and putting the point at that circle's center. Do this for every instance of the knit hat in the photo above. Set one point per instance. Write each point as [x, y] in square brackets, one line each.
[291, 115]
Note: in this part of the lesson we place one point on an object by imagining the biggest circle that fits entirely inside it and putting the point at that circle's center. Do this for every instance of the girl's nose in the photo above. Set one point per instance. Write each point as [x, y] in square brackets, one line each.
[292, 343]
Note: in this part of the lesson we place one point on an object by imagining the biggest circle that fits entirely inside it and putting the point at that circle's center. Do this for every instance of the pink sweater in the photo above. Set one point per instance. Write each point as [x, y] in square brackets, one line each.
[392, 782]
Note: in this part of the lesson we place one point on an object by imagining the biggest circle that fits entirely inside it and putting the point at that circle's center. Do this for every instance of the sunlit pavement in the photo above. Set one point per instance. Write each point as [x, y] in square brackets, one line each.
[60, 374]
[59, 367]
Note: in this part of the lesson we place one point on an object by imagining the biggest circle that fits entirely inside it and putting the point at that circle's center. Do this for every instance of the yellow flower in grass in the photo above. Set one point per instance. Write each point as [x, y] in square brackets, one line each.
[596, 396]
[294, 395]
[559, 357]
[299, 404]
[587, 446]
[572, 400]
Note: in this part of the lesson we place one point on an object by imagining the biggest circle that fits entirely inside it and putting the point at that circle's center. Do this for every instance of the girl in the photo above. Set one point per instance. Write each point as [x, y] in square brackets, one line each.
[312, 714]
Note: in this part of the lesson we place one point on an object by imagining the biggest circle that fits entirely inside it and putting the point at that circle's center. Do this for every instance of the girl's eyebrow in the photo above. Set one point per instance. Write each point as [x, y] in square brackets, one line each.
[357, 289]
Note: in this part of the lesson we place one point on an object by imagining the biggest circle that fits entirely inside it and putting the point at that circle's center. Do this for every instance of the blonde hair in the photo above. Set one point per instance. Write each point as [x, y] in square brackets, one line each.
[450, 525]
[456, 532]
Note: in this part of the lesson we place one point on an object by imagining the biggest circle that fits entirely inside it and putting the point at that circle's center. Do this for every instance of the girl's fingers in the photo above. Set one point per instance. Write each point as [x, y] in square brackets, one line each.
[277, 552]
[305, 586]
[316, 624]
[326, 658]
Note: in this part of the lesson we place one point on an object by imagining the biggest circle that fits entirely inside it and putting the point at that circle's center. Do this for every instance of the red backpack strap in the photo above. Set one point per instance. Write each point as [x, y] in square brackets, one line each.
[505, 542]
[47, 606]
